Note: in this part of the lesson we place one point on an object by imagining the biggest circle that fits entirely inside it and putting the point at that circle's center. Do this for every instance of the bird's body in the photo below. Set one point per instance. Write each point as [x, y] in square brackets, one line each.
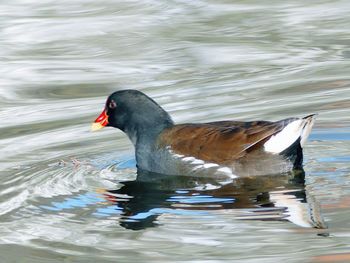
[228, 148]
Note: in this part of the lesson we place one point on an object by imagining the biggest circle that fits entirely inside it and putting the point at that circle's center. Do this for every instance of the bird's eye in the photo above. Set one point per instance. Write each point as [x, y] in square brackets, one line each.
[112, 104]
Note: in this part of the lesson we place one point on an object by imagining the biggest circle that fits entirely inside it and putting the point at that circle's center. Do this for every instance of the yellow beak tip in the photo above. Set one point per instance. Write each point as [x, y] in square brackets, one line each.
[96, 126]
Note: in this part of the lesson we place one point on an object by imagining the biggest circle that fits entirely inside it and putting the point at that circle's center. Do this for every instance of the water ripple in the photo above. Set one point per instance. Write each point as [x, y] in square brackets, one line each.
[68, 194]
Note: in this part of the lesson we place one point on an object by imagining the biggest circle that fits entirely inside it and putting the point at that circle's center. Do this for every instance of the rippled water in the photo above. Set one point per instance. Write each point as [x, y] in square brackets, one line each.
[68, 195]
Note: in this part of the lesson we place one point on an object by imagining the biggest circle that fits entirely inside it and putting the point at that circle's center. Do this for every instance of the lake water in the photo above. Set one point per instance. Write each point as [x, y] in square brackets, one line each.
[69, 195]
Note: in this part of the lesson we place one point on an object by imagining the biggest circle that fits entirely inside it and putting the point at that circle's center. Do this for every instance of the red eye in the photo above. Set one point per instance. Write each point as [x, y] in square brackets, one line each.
[112, 104]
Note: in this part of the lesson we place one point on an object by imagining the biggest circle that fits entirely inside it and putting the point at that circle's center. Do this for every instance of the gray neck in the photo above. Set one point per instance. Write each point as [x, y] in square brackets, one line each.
[143, 121]
[144, 140]
[146, 132]
[145, 135]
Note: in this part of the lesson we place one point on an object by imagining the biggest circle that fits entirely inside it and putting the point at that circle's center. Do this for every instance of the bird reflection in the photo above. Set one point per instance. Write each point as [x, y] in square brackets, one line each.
[274, 197]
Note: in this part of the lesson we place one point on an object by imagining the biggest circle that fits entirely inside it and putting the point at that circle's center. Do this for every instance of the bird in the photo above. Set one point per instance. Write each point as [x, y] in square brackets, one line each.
[220, 148]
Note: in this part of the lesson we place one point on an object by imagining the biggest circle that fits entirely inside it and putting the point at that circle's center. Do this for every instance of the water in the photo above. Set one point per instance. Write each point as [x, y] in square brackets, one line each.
[68, 195]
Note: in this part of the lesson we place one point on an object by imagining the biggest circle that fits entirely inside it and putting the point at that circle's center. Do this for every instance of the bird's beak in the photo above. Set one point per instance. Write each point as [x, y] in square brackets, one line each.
[100, 122]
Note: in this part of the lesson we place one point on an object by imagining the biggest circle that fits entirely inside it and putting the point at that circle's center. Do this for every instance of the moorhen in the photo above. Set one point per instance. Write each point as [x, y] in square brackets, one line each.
[229, 148]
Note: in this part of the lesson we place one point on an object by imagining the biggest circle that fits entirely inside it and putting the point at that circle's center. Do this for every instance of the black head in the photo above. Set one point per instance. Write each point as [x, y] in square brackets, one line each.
[133, 112]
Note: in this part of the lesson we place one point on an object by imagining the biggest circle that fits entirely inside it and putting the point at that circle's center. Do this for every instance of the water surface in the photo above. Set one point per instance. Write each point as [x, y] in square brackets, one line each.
[69, 195]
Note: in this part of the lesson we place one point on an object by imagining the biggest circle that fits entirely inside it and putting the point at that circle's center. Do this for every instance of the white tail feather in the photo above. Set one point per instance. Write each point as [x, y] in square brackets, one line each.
[288, 135]
[309, 122]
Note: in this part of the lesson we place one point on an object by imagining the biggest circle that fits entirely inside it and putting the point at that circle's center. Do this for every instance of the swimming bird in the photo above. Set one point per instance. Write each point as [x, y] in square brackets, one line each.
[228, 148]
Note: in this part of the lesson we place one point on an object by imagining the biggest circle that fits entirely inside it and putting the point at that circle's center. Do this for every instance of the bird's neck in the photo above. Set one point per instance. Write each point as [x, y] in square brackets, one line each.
[144, 139]
[146, 132]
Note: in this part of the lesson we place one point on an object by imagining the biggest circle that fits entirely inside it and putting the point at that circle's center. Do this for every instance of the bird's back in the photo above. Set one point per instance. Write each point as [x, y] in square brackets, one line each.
[238, 145]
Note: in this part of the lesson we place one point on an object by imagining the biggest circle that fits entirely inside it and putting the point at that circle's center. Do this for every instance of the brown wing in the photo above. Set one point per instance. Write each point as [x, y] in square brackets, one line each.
[219, 142]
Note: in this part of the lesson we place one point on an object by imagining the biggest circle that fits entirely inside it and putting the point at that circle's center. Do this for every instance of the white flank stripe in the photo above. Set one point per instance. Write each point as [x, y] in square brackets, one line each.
[225, 170]
[178, 155]
[197, 161]
[189, 159]
[209, 165]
